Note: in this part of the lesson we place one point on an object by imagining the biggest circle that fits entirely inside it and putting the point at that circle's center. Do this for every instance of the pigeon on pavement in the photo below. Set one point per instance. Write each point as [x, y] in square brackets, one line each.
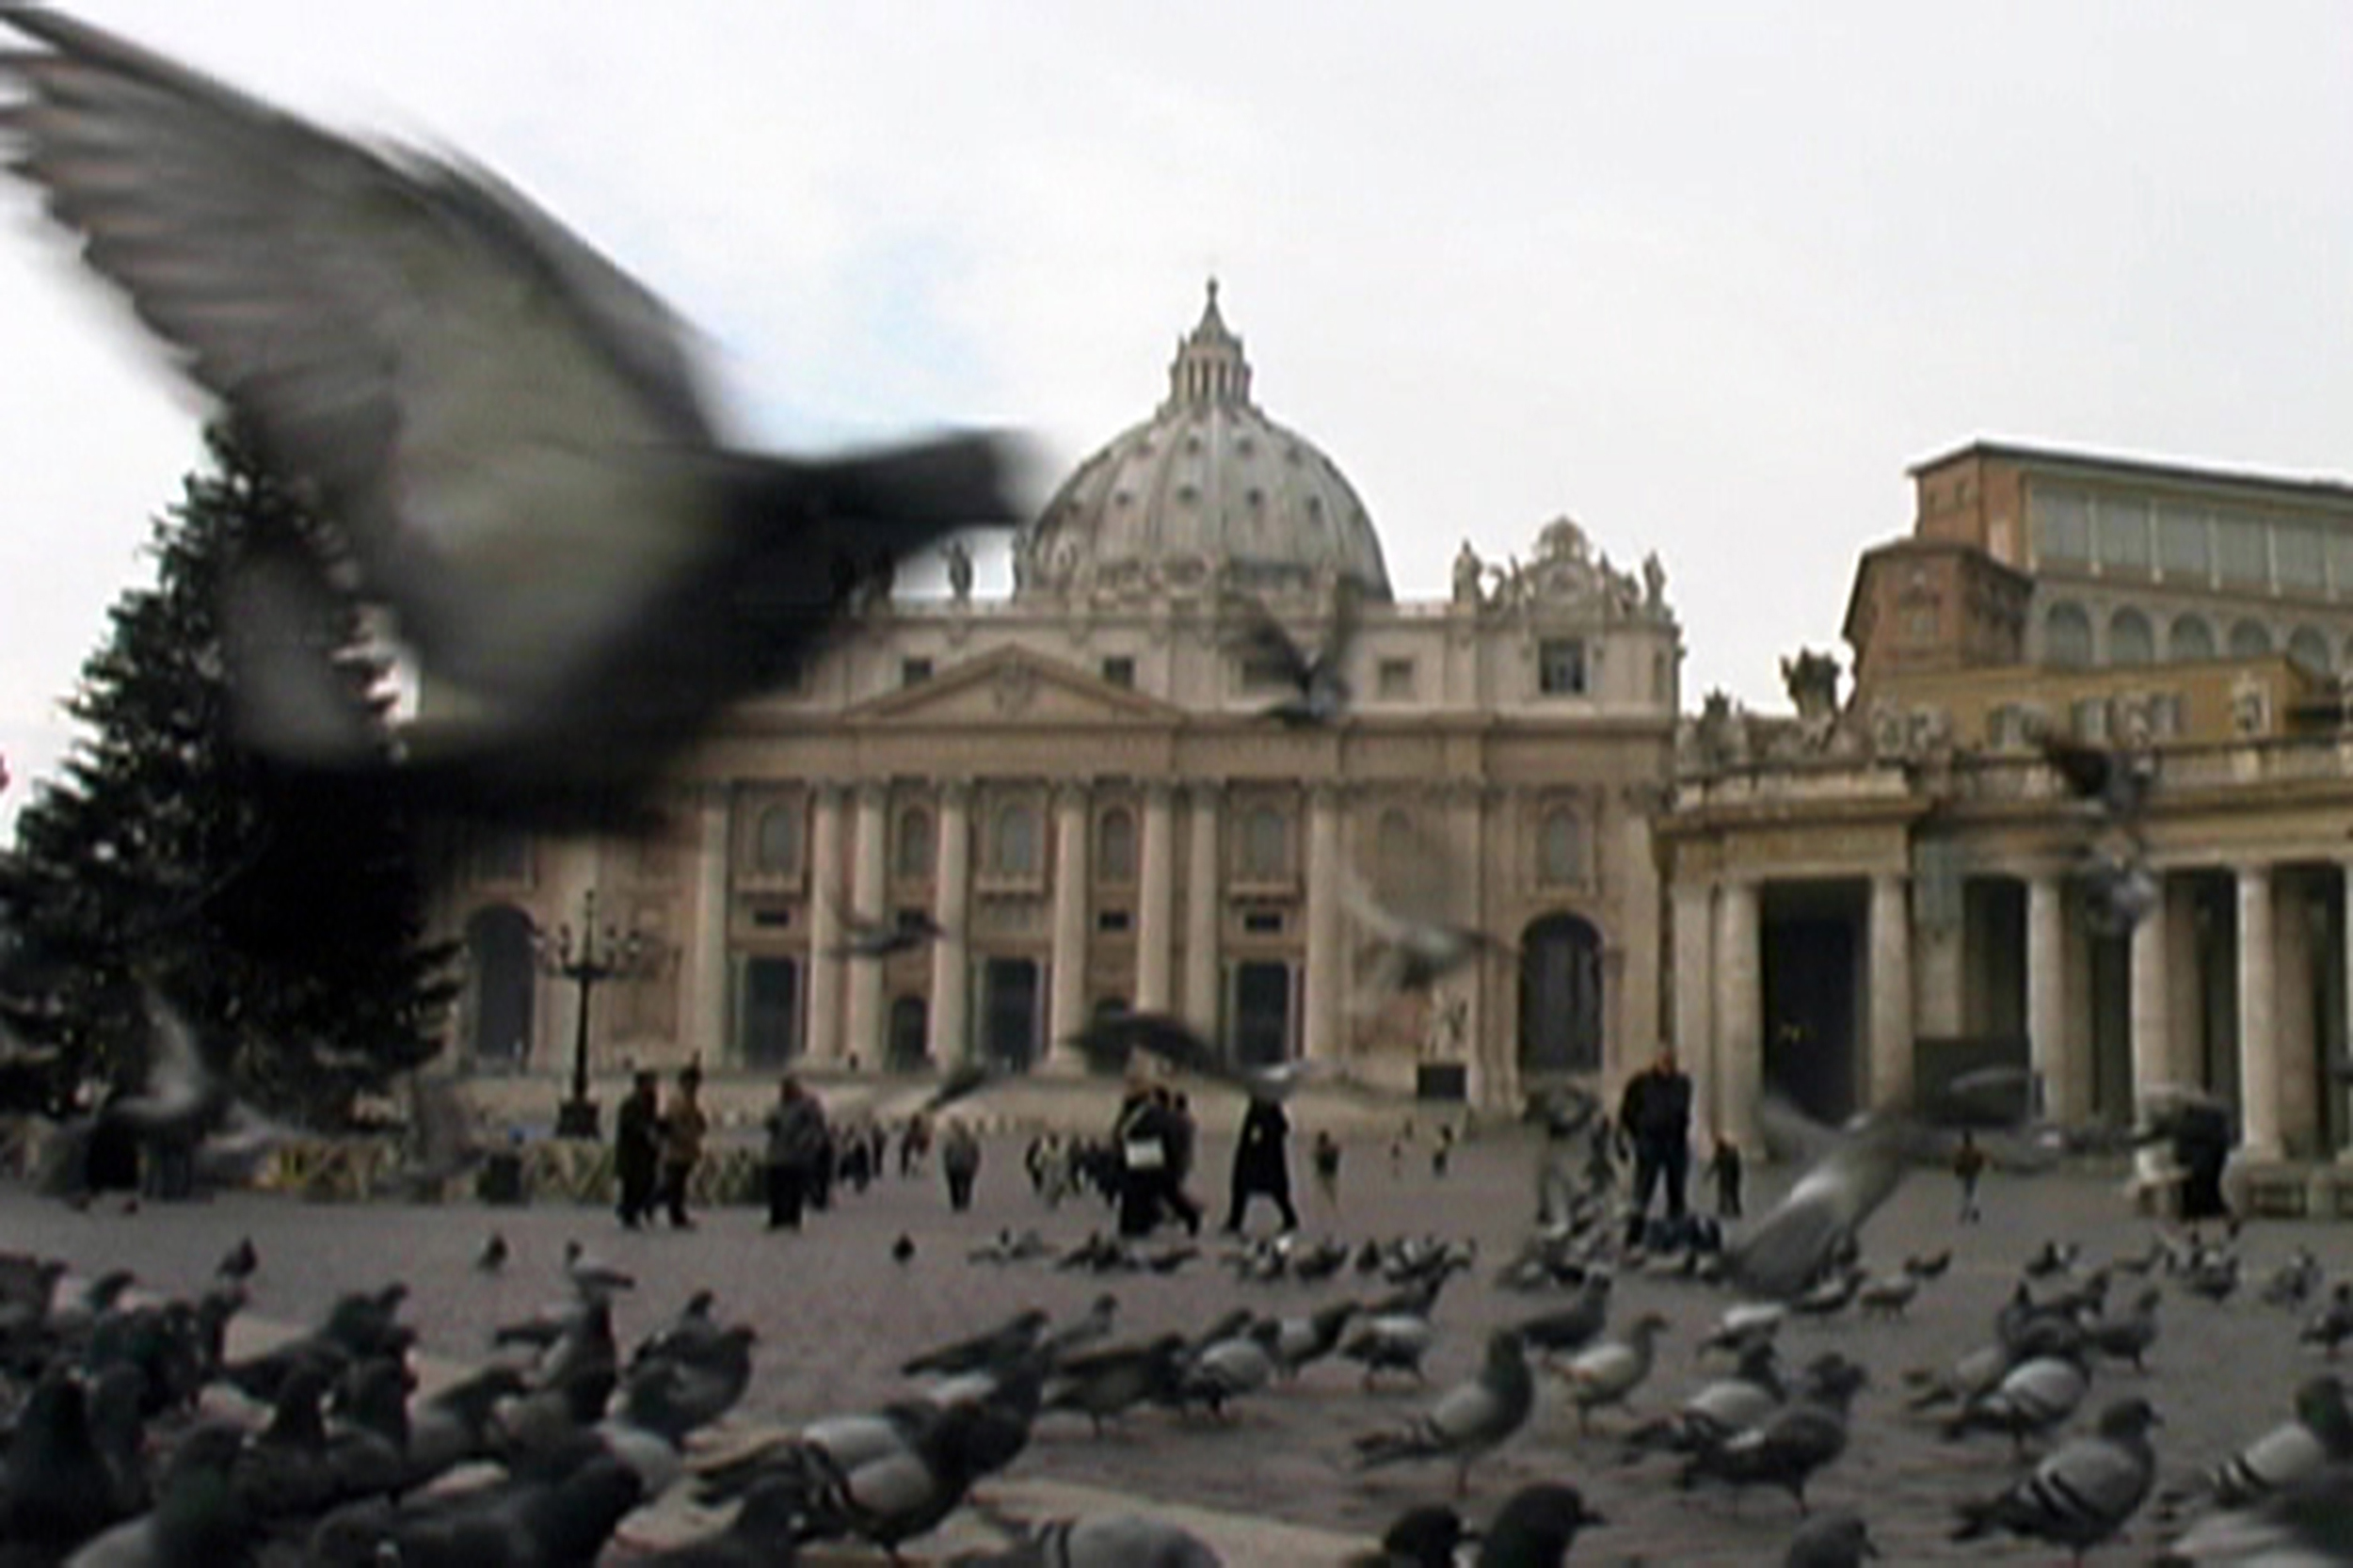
[1836, 1539]
[2082, 1493]
[1535, 1528]
[1468, 1419]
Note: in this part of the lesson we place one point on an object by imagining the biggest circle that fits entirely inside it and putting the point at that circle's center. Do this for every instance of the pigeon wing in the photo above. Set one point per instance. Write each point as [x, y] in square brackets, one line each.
[489, 408]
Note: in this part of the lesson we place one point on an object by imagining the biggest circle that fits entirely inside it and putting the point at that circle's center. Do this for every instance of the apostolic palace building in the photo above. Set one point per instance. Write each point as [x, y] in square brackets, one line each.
[1851, 904]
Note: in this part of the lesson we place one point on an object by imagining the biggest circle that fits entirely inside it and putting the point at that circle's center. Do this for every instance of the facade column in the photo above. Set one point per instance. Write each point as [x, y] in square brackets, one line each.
[2151, 1024]
[706, 963]
[1891, 993]
[1694, 905]
[863, 1046]
[824, 1040]
[1739, 1014]
[2051, 1052]
[2294, 1027]
[1204, 898]
[1326, 950]
[951, 1040]
[2338, 1090]
[1158, 901]
[1067, 993]
[2258, 1042]
[1937, 995]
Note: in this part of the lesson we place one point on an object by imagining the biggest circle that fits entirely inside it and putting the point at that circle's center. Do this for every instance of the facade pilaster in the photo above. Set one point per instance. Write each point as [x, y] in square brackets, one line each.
[2151, 1020]
[1694, 905]
[1158, 890]
[824, 1041]
[950, 1018]
[1326, 950]
[1067, 994]
[863, 978]
[2294, 1024]
[1739, 1013]
[706, 961]
[1204, 896]
[2258, 1041]
[1890, 992]
[2052, 1051]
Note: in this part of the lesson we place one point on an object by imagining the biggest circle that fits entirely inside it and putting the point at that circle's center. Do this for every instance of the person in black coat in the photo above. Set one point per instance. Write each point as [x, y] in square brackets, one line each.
[1262, 1163]
[1656, 1118]
[637, 1148]
[1142, 1141]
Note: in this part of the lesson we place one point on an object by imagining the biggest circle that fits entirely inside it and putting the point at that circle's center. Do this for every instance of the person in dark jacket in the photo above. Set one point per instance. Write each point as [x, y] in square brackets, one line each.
[637, 1148]
[796, 1147]
[1142, 1138]
[1656, 1118]
[960, 1162]
[1262, 1163]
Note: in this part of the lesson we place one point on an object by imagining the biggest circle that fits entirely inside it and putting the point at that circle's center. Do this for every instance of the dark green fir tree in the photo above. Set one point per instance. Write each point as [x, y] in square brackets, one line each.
[283, 914]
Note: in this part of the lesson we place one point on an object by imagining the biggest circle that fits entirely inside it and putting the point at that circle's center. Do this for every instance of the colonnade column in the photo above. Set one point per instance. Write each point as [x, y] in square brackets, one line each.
[824, 1040]
[1205, 897]
[2151, 1018]
[1694, 1002]
[1327, 957]
[1890, 992]
[1739, 1013]
[1066, 996]
[1158, 897]
[951, 953]
[706, 970]
[864, 1044]
[2295, 1032]
[2338, 1090]
[2050, 1053]
[2258, 1044]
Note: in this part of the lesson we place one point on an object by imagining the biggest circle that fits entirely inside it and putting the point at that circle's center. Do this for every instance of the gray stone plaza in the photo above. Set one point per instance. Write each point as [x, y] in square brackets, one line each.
[837, 1315]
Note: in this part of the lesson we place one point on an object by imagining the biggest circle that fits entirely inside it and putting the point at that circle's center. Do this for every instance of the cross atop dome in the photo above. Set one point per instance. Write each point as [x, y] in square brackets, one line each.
[1209, 368]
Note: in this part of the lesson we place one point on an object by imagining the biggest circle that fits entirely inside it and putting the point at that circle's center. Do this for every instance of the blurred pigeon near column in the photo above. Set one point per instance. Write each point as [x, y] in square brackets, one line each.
[1855, 1171]
[503, 431]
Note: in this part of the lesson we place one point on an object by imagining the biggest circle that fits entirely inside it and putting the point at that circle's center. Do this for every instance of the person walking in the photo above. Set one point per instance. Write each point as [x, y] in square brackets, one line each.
[1725, 1170]
[1263, 1164]
[1656, 1118]
[1183, 1132]
[637, 1148]
[1140, 1142]
[797, 1144]
[960, 1162]
[683, 1131]
[1969, 1169]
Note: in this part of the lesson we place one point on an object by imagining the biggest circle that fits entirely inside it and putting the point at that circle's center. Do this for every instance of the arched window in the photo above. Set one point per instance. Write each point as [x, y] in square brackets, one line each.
[2309, 648]
[917, 845]
[1560, 848]
[2249, 639]
[2067, 637]
[1265, 845]
[777, 845]
[1012, 847]
[2130, 639]
[1115, 845]
[2191, 639]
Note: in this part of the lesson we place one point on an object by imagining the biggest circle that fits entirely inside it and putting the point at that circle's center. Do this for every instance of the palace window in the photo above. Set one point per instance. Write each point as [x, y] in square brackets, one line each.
[1395, 680]
[917, 846]
[777, 841]
[2250, 639]
[2189, 640]
[2130, 639]
[1115, 846]
[1265, 845]
[1561, 666]
[1120, 670]
[1560, 848]
[2067, 637]
[914, 672]
[1013, 849]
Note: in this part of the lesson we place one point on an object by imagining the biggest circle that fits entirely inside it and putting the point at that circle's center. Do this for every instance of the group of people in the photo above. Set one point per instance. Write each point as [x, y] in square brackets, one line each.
[1151, 1158]
[656, 1148]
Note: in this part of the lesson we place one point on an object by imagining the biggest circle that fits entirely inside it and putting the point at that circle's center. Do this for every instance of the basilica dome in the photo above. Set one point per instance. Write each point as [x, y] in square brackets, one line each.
[1208, 492]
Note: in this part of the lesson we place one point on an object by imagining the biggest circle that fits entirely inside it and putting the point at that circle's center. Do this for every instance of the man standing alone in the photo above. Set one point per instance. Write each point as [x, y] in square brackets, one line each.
[796, 1145]
[637, 1150]
[1656, 1118]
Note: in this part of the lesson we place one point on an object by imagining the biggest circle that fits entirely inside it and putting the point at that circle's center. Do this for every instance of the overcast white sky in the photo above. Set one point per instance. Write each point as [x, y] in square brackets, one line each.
[1705, 278]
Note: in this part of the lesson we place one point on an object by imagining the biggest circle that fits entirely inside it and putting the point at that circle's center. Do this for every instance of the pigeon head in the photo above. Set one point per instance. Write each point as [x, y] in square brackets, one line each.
[2129, 1418]
[2320, 1405]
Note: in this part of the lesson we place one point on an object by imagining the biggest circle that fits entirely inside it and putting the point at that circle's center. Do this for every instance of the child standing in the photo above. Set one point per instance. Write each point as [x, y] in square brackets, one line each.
[1327, 1167]
[1968, 1165]
[1725, 1169]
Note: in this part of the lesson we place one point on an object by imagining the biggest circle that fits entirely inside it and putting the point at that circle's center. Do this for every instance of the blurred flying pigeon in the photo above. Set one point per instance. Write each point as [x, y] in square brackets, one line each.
[1855, 1171]
[876, 936]
[1411, 954]
[503, 430]
[1318, 692]
[1109, 1040]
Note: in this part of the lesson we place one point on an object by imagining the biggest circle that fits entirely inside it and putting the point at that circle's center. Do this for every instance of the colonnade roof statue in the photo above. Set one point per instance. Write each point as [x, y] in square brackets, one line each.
[1206, 493]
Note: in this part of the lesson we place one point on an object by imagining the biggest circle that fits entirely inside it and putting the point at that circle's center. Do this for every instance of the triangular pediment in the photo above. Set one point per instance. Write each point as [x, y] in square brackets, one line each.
[1014, 685]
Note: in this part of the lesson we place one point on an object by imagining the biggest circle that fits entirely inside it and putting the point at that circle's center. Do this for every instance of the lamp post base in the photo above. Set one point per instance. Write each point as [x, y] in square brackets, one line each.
[577, 1118]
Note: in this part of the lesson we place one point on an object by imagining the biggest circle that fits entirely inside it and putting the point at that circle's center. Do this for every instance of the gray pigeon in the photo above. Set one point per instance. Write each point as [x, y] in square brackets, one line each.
[1468, 1419]
[2082, 1493]
[505, 427]
[2308, 1525]
[1108, 1540]
[2321, 1435]
[1854, 1174]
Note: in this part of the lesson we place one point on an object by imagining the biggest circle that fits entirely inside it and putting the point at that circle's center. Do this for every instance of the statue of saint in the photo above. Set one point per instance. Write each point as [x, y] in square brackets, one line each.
[959, 570]
[1467, 571]
[1654, 583]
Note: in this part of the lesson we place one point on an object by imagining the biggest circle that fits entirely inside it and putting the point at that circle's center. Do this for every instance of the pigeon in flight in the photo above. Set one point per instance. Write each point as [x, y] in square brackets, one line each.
[1851, 1174]
[1173, 1040]
[1317, 692]
[501, 430]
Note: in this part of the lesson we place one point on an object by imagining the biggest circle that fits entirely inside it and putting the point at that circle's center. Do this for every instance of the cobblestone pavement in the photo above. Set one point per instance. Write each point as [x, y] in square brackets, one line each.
[837, 1315]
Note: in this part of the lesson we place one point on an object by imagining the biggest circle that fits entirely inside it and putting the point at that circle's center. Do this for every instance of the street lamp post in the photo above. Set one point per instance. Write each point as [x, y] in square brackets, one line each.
[608, 954]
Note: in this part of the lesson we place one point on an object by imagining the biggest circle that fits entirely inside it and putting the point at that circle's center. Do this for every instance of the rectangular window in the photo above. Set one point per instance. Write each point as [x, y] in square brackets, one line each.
[1120, 670]
[1396, 680]
[2181, 542]
[1920, 625]
[2123, 535]
[2061, 520]
[1264, 675]
[914, 672]
[2295, 555]
[2089, 718]
[1111, 921]
[1561, 666]
[2241, 551]
[772, 916]
[1263, 922]
[2165, 716]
